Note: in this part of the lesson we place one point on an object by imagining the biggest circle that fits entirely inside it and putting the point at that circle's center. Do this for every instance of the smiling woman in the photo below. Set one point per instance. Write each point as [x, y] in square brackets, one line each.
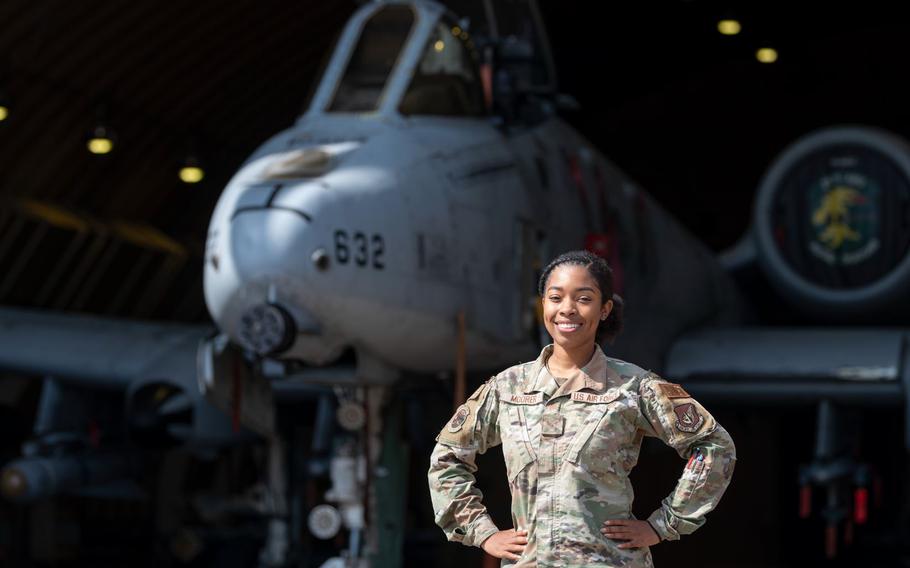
[580, 277]
[571, 425]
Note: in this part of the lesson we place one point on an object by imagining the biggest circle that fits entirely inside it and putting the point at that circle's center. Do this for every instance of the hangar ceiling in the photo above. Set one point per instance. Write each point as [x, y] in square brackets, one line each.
[120, 233]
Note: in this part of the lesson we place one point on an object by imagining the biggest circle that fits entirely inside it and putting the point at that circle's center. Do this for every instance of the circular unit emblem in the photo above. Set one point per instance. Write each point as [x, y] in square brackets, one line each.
[831, 219]
[458, 420]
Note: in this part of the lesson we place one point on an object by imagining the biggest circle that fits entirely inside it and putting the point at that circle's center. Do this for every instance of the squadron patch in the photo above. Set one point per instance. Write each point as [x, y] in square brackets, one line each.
[687, 418]
[672, 390]
[458, 420]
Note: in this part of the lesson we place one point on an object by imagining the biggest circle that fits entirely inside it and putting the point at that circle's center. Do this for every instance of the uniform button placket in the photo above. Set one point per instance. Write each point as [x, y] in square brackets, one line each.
[551, 429]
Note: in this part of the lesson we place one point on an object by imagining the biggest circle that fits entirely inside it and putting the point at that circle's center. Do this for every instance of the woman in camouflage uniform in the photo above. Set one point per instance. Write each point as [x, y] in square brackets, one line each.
[571, 425]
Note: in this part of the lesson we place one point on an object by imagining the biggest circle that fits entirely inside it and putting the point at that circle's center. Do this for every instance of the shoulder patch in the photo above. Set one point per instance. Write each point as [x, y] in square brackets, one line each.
[672, 390]
[459, 418]
[688, 418]
[459, 430]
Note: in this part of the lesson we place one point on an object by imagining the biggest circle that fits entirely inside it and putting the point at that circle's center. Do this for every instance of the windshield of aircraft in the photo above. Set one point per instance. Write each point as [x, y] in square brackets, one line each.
[446, 82]
[373, 59]
[523, 48]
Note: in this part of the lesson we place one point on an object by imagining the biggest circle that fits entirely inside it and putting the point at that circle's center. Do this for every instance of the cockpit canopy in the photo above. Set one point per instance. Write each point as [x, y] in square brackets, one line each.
[412, 58]
[373, 59]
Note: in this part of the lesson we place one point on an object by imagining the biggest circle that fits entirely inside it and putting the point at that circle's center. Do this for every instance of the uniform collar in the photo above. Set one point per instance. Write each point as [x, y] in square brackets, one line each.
[596, 375]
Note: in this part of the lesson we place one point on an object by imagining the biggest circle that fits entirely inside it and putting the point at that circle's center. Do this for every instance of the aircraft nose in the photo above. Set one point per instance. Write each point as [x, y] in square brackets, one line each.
[267, 241]
[256, 290]
[265, 248]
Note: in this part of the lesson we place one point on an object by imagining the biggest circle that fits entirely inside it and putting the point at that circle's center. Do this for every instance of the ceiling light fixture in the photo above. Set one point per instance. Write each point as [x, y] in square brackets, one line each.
[4, 106]
[766, 55]
[192, 171]
[100, 140]
[729, 27]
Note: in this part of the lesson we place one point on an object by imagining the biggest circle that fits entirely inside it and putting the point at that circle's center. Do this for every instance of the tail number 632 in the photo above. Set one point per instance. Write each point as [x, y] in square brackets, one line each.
[364, 250]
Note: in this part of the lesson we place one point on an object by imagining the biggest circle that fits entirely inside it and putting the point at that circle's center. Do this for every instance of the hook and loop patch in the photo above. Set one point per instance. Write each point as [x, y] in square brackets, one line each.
[458, 420]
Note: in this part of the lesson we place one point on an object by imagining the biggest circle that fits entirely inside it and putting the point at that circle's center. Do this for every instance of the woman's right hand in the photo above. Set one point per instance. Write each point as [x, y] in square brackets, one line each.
[508, 544]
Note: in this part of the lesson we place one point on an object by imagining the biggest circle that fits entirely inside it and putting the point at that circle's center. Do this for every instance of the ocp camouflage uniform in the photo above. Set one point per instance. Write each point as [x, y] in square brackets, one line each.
[568, 450]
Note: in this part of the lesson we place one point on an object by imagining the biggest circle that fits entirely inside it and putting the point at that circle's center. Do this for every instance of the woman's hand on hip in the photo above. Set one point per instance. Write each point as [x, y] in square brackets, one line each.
[508, 544]
[635, 533]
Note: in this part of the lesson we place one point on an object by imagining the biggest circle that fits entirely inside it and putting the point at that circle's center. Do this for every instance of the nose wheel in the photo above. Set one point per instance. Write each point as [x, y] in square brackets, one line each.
[267, 329]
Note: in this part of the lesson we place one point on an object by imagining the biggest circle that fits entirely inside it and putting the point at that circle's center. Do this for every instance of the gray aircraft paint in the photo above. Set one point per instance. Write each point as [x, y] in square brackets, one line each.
[448, 197]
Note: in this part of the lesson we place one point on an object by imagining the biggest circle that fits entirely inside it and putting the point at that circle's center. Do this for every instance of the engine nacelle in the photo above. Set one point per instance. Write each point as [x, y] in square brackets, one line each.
[832, 222]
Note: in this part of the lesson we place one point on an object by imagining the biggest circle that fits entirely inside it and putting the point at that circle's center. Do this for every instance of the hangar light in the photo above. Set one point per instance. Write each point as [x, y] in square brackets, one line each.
[191, 174]
[100, 141]
[100, 146]
[192, 171]
[4, 112]
[766, 55]
[729, 27]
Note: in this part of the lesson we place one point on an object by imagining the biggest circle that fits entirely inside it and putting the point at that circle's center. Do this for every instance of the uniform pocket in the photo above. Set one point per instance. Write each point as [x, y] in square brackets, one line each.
[603, 452]
[516, 462]
[516, 445]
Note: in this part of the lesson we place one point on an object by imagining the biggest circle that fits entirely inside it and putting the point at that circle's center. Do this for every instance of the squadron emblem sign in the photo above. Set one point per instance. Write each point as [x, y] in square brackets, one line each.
[687, 418]
[844, 208]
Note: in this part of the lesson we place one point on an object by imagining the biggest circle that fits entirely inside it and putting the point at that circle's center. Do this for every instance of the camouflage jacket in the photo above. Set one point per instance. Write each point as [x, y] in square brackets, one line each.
[568, 450]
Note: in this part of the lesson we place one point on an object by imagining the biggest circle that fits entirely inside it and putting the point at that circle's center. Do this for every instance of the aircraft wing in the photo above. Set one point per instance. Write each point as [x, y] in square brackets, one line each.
[860, 366]
[121, 354]
[103, 352]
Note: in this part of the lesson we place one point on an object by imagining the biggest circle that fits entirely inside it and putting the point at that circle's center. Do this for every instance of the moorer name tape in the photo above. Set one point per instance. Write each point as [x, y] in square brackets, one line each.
[526, 398]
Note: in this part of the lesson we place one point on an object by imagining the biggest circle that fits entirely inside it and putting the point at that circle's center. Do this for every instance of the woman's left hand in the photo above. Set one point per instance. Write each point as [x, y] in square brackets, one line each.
[635, 533]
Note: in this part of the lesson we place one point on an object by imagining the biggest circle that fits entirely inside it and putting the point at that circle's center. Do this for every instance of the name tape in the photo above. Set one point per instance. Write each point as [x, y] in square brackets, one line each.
[594, 398]
[526, 398]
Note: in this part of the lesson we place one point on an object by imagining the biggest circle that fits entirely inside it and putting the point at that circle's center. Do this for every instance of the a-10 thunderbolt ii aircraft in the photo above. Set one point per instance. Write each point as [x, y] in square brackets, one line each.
[395, 232]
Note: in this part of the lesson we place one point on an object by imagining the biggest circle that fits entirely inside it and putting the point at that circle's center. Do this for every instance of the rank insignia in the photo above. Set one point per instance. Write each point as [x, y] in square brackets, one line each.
[552, 424]
[458, 420]
[672, 390]
[687, 418]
